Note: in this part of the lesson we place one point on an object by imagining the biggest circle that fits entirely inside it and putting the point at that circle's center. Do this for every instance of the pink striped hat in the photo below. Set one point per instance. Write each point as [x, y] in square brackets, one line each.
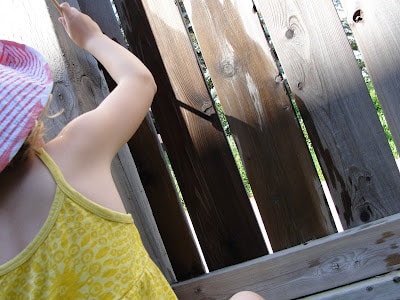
[25, 87]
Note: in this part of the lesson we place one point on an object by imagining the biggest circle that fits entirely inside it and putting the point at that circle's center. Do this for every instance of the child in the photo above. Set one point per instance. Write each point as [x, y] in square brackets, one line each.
[64, 231]
[59, 243]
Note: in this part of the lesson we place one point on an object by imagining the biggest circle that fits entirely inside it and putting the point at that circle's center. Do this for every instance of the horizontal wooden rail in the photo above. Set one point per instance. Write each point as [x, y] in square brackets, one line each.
[337, 260]
[380, 287]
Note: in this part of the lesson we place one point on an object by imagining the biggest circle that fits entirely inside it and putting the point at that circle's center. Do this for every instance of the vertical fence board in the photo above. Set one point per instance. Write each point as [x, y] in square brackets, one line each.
[377, 36]
[259, 112]
[184, 113]
[162, 196]
[337, 110]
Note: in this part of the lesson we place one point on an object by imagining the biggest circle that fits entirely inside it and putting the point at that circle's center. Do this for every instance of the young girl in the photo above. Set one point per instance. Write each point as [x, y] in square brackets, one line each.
[64, 232]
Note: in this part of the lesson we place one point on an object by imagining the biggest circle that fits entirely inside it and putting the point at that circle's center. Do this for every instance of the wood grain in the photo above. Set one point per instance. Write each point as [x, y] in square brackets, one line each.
[343, 258]
[377, 38]
[198, 150]
[165, 203]
[338, 112]
[259, 112]
[380, 287]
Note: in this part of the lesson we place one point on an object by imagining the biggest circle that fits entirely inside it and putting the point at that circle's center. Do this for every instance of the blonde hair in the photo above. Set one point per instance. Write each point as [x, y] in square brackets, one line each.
[33, 143]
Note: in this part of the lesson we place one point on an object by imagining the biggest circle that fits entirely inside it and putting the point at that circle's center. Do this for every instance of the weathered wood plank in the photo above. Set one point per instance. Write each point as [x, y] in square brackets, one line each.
[193, 136]
[385, 287]
[337, 109]
[277, 161]
[165, 203]
[377, 35]
[343, 258]
[157, 183]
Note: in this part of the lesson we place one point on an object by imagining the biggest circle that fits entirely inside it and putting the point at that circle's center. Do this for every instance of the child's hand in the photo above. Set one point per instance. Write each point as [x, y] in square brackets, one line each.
[80, 27]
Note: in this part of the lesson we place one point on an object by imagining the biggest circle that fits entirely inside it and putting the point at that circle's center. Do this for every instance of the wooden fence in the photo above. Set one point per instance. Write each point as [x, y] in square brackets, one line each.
[329, 90]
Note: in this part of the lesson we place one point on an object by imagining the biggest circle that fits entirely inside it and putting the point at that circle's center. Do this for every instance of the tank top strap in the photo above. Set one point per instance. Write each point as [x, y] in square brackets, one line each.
[51, 165]
[75, 196]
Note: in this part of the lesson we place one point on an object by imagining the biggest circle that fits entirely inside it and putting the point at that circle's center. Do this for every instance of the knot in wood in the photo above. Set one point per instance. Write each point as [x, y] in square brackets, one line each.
[207, 108]
[335, 266]
[358, 16]
[289, 33]
[365, 212]
[227, 67]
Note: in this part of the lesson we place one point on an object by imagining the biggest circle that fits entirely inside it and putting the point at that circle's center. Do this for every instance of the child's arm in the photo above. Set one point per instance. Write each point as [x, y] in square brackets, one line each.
[102, 132]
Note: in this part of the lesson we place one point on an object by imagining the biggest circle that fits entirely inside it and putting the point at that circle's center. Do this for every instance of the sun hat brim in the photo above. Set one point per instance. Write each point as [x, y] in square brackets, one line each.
[25, 87]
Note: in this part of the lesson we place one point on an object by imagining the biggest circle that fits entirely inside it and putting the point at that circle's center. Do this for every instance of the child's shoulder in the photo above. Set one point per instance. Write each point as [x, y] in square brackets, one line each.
[90, 178]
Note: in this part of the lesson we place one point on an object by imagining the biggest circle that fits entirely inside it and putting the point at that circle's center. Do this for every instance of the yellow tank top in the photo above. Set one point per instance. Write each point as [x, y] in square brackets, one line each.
[83, 251]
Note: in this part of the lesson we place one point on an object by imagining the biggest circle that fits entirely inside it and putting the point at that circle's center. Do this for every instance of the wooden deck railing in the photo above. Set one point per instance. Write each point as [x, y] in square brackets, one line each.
[240, 42]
